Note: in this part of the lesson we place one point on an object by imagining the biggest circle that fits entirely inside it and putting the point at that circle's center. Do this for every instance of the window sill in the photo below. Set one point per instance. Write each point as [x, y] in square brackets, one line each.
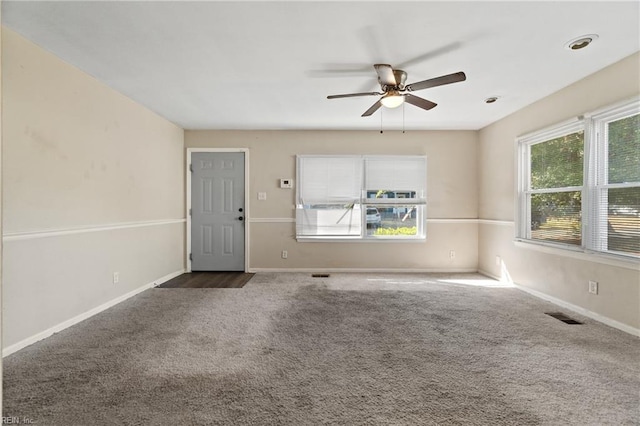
[358, 240]
[581, 254]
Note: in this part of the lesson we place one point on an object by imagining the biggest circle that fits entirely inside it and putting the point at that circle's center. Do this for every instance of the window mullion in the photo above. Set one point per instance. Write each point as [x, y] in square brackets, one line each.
[524, 186]
[589, 194]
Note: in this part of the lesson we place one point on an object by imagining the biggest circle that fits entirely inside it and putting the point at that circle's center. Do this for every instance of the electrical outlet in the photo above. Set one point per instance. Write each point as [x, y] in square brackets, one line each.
[262, 196]
[284, 254]
[452, 254]
[593, 287]
[116, 277]
[498, 261]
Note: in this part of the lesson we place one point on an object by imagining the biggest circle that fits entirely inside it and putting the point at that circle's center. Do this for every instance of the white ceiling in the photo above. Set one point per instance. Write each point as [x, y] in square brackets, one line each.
[270, 65]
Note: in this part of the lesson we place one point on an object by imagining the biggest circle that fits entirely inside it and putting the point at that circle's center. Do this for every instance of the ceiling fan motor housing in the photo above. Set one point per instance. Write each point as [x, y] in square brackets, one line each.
[401, 78]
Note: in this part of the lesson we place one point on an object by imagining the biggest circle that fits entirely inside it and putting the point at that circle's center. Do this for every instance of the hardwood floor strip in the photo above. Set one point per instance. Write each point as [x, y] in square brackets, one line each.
[209, 280]
[199, 280]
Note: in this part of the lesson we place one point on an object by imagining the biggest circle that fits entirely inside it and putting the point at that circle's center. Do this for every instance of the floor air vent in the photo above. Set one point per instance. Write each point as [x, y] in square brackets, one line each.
[320, 275]
[562, 317]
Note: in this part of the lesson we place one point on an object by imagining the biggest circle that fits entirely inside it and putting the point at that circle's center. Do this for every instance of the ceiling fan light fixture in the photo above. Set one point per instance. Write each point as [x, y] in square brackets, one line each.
[581, 42]
[392, 100]
[394, 92]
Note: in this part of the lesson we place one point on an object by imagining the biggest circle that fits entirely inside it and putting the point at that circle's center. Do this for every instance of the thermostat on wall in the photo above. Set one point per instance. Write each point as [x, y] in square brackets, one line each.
[286, 183]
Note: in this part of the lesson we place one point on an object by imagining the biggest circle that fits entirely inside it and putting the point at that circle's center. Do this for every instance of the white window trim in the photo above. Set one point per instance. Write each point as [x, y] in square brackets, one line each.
[593, 124]
[421, 216]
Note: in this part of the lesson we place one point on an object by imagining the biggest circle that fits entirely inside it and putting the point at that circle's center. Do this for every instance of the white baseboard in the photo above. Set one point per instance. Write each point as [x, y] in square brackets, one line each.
[166, 278]
[575, 308]
[489, 274]
[366, 270]
[582, 311]
[75, 320]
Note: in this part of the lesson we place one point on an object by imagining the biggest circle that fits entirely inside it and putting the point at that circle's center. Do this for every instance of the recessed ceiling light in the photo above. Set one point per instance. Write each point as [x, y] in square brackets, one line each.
[491, 100]
[581, 42]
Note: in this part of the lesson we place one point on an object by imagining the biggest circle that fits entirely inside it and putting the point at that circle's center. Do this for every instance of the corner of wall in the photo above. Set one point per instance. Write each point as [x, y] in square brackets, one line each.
[103, 194]
[558, 277]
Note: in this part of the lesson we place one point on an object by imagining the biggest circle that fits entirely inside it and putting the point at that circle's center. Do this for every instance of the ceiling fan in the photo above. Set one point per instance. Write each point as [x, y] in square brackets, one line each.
[395, 93]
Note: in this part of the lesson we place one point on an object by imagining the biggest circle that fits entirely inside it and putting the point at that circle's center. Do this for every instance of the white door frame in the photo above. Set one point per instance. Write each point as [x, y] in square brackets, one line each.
[190, 151]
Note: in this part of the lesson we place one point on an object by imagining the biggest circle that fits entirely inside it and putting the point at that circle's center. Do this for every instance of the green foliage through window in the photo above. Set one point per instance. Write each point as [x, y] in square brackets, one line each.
[558, 163]
[397, 231]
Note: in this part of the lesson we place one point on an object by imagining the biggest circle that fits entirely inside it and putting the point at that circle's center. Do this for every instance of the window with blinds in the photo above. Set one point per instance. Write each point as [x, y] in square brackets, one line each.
[579, 183]
[361, 197]
[328, 196]
[616, 184]
[555, 189]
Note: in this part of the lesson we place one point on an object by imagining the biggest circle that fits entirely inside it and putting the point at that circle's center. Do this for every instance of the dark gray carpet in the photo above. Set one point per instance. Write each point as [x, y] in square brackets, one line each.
[352, 349]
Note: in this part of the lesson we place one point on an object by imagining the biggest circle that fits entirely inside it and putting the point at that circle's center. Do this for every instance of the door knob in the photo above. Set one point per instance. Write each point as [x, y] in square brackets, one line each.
[241, 218]
[240, 209]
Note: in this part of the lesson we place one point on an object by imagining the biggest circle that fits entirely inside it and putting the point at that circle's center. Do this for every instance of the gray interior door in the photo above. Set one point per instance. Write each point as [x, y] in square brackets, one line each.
[217, 211]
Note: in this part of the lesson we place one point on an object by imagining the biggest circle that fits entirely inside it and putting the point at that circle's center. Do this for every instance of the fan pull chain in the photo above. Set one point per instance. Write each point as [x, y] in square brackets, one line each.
[403, 118]
[381, 122]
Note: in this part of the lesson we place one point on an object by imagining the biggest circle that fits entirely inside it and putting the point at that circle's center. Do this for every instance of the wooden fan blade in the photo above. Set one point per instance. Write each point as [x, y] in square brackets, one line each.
[419, 102]
[341, 70]
[438, 81]
[373, 109]
[351, 95]
[385, 74]
[429, 55]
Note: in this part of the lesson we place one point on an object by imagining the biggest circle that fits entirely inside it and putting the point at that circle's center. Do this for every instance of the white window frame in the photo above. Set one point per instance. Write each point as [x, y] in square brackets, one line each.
[524, 175]
[364, 202]
[597, 179]
[594, 221]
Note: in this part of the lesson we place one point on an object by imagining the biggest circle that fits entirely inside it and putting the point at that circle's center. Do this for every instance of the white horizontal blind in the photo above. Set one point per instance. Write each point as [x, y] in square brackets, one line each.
[390, 173]
[617, 182]
[329, 189]
[329, 180]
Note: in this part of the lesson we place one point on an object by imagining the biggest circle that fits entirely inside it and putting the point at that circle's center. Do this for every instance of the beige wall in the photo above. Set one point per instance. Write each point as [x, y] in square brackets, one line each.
[451, 193]
[93, 184]
[553, 273]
